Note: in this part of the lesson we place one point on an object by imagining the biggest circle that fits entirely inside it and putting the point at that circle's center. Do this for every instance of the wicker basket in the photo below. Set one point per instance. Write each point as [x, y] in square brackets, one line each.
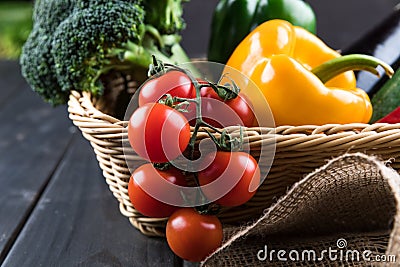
[299, 150]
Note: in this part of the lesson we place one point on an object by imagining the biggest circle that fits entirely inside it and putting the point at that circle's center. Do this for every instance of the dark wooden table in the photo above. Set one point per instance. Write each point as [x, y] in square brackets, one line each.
[56, 209]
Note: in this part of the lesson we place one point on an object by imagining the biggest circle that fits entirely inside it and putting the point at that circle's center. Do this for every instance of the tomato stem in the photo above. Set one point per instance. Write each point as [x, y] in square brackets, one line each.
[156, 68]
[162, 166]
[181, 99]
[228, 91]
[211, 127]
[209, 209]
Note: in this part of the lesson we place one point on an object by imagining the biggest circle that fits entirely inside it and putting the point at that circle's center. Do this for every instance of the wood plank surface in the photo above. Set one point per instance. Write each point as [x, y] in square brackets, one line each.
[33, 138]
[77, 223]
[9, 86]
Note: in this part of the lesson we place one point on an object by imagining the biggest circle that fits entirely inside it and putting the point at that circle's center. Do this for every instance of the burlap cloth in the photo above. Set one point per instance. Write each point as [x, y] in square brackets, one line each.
[349, 207]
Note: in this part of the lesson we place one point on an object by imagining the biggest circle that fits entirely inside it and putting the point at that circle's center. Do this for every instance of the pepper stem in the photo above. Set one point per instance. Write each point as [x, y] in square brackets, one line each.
[330, 69]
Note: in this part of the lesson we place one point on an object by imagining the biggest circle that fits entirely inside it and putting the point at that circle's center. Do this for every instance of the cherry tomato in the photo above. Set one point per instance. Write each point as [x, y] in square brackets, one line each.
[193, 236]
[146, 192]
[219, 113]
[231, 178]
[175, 83]
[158, 133]
[239, 111]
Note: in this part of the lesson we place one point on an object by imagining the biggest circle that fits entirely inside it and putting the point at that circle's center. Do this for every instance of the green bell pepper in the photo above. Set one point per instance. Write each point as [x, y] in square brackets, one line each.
[235, 19]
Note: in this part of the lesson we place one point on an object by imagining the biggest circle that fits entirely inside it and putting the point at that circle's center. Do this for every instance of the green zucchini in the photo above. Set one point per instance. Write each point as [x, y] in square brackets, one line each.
[387, 98]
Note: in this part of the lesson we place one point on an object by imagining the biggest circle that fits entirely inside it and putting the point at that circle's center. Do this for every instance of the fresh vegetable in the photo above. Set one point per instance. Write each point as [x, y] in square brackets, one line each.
[238, 177]
[96, 30]
[234, 19]
[158, 133]
[146, 182]
[74, 42]
[301, 78]
[387, 98]
[175, 83]
[220, 113]
[392, 117]
[193, 236]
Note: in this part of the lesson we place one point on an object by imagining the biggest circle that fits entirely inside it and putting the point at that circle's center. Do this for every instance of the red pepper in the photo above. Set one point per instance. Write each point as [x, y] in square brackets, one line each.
[392, 117]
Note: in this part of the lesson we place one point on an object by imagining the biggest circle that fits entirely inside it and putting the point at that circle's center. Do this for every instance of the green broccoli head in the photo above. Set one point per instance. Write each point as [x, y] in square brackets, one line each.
[69, 44]
[74, 42]
[36, 60]
[83, 44]
[37, 67]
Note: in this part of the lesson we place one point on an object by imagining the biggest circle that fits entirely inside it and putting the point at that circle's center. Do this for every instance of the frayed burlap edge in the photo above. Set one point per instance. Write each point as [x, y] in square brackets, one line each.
[394, 241]
[393, 180]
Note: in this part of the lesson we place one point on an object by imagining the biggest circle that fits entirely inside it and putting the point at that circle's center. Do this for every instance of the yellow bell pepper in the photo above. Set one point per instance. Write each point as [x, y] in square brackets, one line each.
[303, 80]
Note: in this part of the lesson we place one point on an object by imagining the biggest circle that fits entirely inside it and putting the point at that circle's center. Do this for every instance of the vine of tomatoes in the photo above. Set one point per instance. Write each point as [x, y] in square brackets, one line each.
[159, 132]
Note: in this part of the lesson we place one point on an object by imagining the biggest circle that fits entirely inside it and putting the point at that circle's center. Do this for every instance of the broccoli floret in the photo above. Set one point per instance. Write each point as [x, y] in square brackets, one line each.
[166, 14]
[83, 43]
[37, 62]
[37, 67]
[74, 42]
[82, 4]
[48, 14]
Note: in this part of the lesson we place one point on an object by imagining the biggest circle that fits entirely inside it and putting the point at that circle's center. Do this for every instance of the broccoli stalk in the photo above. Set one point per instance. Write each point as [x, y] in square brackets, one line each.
[166, 15]
[165, 47]
[81, 40]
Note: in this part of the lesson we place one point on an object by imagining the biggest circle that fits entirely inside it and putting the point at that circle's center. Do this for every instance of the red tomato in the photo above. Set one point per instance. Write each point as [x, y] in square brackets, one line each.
[235, 177]
[219, 113]
[193, 236]
[146, 201]
[239, 110]
[158, 133]
[173, 82]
